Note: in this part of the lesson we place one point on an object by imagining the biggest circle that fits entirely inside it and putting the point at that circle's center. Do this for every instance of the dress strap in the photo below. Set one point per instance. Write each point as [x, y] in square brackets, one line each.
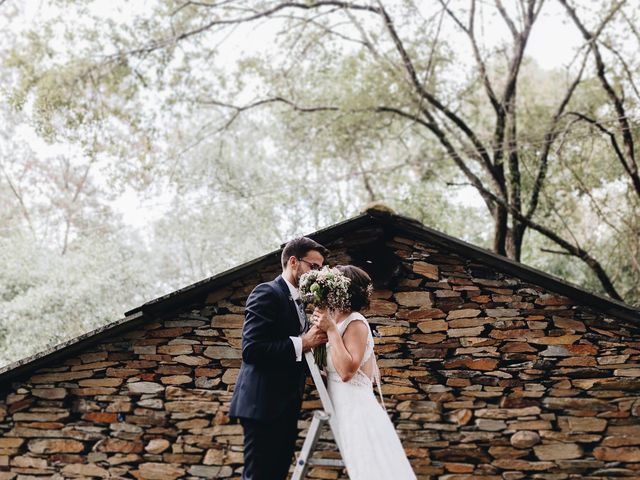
[345, 323]
[376, 371]
[376, 376]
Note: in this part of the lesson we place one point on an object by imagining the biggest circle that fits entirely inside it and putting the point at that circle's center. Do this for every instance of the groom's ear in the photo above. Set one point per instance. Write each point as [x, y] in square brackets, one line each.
[292, 260]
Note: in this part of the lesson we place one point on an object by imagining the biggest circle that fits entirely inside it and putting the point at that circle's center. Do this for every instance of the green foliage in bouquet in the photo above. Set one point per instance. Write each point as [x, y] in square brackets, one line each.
[327, 288]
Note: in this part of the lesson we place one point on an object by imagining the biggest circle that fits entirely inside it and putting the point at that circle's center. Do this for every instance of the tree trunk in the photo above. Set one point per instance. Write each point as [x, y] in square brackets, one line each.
[515, 238]
[500, 218]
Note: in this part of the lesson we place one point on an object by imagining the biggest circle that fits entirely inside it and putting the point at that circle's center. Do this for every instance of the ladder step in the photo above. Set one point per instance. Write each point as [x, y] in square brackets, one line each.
[326, 462]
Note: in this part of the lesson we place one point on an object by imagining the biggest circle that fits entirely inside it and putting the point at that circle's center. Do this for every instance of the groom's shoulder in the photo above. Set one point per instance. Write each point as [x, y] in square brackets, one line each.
[271, 287]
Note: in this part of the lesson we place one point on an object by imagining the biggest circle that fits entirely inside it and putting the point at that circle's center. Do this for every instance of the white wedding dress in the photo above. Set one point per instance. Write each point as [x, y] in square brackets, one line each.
[369, 444]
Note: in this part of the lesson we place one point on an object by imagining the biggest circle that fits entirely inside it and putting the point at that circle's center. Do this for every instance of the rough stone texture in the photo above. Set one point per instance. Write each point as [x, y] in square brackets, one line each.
[485, 377]
[157, 445]
[525, 439]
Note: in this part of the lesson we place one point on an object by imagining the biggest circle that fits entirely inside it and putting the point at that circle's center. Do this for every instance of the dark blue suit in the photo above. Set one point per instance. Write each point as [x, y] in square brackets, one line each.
[268, 392]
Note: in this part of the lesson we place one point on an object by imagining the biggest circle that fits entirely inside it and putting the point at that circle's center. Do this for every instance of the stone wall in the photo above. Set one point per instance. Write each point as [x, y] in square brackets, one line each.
[484, 376]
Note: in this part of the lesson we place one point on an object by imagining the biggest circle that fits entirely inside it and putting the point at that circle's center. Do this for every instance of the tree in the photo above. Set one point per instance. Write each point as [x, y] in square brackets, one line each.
[366, 88]
[624, 150]
[491, 166]
[47, 298]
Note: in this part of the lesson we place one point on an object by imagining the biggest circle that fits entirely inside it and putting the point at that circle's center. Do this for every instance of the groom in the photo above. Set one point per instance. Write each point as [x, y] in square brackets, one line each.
[268, 393]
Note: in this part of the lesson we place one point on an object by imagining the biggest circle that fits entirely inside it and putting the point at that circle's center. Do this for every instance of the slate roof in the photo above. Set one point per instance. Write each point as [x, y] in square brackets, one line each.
[390, 222]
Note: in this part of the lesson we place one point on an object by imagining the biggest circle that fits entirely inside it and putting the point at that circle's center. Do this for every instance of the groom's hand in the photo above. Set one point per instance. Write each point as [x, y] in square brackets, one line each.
[314, 337]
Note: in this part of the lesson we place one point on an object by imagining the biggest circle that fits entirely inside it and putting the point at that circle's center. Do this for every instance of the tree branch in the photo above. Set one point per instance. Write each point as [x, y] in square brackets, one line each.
[507, 19]
[557, 252]
[573, 250]
[625, 67]
[550, 138]
[470, 31]
[509, 92]
[198, 4]
[238, 109]
[245, 19]
[433, 127]
[409, 67]
[19, 198]
[616, 147]
[616, 100]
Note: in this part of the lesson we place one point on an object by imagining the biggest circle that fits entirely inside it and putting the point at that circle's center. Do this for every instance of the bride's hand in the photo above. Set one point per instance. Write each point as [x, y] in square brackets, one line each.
[323, 319]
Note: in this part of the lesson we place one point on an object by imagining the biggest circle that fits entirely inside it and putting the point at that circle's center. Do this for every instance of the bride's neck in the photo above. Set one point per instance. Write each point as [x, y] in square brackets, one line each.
[341, 315]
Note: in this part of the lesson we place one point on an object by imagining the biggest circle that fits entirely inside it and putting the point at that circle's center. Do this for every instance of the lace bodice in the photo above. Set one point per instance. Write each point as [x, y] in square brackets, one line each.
[360, 378]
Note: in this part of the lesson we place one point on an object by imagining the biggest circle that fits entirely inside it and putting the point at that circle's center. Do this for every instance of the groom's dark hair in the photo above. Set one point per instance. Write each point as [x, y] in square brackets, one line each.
[299, 247]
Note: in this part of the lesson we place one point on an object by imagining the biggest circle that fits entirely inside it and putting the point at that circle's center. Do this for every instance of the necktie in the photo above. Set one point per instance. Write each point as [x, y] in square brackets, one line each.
[301, 315]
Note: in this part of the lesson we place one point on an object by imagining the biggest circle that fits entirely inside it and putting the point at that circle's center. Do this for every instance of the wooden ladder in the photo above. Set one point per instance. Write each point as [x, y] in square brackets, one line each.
[320, 418]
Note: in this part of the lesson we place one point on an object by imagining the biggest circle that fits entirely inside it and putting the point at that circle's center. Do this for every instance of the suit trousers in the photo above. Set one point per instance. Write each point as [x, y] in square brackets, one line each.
[269, 446]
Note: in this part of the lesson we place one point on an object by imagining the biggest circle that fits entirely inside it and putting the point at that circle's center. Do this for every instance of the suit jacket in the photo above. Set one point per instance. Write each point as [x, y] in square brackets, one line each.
[270, 380]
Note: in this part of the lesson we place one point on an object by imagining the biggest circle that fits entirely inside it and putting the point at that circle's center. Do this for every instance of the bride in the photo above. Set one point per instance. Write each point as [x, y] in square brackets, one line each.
[369, 444]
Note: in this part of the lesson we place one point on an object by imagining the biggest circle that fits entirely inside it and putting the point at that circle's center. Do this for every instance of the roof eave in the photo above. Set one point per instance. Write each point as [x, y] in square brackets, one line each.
[46, 357]
[531, 274]
[196, 290]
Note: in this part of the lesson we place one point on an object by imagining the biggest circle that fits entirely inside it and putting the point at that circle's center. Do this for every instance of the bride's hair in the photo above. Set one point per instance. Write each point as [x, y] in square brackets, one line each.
[359, 288]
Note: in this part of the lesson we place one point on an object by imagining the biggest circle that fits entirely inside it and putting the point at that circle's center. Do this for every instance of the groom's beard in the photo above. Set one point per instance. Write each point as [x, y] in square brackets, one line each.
[296, 278]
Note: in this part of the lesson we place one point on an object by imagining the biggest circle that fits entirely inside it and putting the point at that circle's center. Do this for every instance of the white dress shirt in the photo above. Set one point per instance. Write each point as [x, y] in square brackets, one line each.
[297, 341]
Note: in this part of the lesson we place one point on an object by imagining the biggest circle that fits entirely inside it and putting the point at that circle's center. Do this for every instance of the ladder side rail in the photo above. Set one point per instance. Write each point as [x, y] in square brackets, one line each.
[302, 462]
[319, 419]
[324, 395]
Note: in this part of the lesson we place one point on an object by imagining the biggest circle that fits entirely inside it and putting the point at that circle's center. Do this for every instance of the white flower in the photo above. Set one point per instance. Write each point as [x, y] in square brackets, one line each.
[326, 288]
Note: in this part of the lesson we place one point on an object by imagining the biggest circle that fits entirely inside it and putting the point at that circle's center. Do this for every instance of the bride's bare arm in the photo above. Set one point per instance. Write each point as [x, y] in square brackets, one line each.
[348, 350]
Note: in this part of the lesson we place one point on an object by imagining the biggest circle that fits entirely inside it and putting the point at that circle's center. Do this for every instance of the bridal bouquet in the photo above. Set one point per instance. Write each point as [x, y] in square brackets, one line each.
[327, 288]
